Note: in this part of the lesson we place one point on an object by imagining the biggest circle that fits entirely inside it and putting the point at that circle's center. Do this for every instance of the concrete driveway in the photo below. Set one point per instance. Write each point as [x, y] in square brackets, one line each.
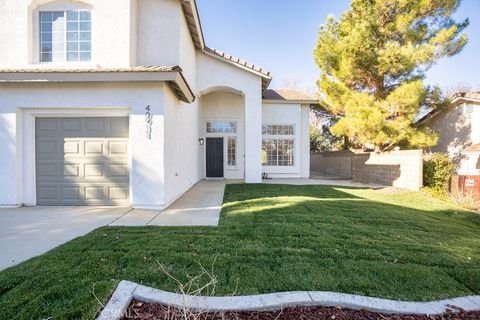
[29, 232]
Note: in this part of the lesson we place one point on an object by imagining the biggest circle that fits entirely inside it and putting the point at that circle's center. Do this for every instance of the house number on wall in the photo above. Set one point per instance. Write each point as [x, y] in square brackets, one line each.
[149, 122]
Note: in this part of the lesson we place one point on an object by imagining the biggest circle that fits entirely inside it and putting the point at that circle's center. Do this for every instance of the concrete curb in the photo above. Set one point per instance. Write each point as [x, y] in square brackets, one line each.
[126, 291]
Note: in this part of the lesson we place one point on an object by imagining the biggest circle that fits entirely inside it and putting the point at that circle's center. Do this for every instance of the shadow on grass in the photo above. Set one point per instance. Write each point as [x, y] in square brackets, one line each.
[271, 238]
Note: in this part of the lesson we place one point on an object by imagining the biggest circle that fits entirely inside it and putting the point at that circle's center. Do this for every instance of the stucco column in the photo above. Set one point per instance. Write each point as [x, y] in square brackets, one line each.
[253, 136]
[9, 174]
[147, 154]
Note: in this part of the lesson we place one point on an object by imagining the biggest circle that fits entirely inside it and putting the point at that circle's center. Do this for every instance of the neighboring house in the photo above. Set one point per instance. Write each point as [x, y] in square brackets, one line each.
[459, 128]
[120, 102]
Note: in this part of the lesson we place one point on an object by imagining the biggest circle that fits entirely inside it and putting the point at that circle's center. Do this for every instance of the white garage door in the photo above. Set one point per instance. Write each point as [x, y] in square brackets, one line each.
[82, 161]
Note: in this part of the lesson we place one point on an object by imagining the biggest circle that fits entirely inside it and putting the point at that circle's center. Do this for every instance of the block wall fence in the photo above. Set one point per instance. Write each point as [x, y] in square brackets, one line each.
[400, 169]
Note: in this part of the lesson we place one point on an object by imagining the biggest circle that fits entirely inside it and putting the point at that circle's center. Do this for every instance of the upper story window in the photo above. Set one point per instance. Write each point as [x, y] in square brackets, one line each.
[65, 36]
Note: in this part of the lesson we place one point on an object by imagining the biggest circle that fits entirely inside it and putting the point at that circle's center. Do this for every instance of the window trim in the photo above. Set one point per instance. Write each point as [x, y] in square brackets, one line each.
[278, 137]
[235, 158]
[34, 31]
[224, 121]
[279, 124]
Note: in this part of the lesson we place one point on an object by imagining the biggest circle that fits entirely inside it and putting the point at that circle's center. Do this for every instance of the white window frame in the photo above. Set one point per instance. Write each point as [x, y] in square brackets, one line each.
[65, 40]
[235, 159]
[34, 31]
[278, 137]
[222, 121]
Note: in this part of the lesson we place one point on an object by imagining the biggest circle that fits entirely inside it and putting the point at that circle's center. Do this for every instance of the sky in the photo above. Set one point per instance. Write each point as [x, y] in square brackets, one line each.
[280, 36]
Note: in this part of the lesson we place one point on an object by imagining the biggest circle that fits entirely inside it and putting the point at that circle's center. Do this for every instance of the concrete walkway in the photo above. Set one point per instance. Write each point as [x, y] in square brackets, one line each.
[29, 232]
[200, 206]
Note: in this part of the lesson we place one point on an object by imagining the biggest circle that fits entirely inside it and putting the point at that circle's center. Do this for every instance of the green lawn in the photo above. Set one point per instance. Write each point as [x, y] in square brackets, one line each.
[271, 238]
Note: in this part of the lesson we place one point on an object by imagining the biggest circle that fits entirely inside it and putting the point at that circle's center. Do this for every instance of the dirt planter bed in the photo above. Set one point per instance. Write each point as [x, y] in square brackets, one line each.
[139, 310]
[134, 301]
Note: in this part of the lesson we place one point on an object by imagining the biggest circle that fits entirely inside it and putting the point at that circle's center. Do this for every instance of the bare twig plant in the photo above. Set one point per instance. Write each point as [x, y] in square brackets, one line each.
[201, 285]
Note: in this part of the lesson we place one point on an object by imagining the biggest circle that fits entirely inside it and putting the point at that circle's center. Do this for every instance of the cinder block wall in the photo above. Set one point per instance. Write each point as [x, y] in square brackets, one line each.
[401, 169]
[332, 163]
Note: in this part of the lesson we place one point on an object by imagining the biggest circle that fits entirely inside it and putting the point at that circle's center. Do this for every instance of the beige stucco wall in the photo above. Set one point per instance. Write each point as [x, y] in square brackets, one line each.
[113, 36]
[182, 150]
[459, 128]
[124, 33]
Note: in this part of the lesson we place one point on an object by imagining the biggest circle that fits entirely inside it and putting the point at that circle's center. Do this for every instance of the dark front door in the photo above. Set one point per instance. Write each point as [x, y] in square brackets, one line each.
[214, 157]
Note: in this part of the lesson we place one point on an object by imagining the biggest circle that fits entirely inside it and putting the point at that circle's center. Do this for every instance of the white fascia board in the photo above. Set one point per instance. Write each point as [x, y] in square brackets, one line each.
[174, 77]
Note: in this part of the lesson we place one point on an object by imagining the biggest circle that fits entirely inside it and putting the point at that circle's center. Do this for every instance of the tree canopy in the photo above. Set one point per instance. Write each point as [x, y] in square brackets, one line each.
[373, 61]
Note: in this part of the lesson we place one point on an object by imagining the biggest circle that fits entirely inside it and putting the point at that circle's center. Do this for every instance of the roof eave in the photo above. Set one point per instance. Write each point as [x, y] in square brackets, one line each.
[192, 17]
[266, 79]
[432, 114]
[208, 52]
[464, 99]
[190, 11]
[174, 78]
[265, 84]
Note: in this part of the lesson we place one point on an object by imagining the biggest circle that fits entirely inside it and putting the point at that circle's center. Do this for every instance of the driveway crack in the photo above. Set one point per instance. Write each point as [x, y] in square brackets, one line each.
[123, 215]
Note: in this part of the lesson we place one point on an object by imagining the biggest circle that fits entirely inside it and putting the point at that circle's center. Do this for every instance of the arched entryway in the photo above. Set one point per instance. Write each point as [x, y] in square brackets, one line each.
[222, 116]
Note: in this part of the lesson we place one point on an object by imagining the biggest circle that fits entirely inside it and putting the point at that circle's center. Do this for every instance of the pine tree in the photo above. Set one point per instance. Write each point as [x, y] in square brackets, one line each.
[373, 61]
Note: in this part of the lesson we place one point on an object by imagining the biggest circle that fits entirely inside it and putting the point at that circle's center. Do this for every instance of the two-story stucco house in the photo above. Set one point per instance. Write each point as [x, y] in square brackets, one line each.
[459, 129]
[120, 102]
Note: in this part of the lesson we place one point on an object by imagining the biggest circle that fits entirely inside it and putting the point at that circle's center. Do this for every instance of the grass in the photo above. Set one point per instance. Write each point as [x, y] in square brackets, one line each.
[271, 238]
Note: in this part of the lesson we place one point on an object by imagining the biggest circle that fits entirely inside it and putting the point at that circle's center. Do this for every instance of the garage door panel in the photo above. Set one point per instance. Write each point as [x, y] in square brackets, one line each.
[118, 170]
[82, 161]
[94, 171]
[95, 125]
[95, 193]
[47, 193]
[46, 126]
[71, 125]
[71, 193]
[118, 193]
[93, 148]
[70, 171]
[119, 128]
[118, 148]
[47, 171]
[47, 149]
[71, 147]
